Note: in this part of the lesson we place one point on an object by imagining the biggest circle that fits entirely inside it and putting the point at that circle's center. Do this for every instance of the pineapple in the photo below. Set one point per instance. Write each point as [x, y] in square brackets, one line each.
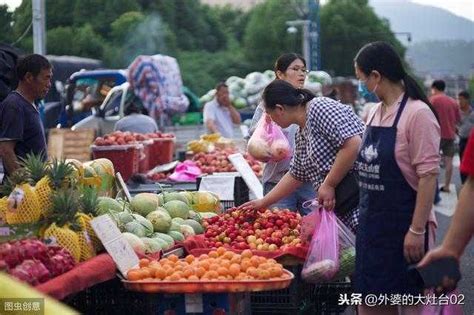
[89, 204]
[37, 171]
[3, 208]
[61, 174]
[23, 210]
[63, 229]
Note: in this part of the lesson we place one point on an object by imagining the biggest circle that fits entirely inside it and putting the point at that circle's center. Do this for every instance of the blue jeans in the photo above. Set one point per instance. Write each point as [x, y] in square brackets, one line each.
[294, 201]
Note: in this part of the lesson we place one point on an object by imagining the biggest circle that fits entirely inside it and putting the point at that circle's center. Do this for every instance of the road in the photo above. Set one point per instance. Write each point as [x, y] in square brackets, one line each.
[443, 214]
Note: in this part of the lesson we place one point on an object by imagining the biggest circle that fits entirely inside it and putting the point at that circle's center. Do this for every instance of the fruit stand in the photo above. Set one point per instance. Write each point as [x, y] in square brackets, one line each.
[231, 261]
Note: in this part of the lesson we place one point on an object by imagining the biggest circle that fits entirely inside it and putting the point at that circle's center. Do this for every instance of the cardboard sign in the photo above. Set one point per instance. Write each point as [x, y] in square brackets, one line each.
[247, 174]
[115, 244]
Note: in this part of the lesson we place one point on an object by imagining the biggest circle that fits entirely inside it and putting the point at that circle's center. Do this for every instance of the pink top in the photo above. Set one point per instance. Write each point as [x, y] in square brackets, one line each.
[418, 138]
[448, 113]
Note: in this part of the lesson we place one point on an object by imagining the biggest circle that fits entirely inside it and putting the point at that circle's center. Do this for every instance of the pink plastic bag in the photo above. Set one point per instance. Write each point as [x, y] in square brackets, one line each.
[186, 171]
[322, 262]
[311, 221]
[268, 142]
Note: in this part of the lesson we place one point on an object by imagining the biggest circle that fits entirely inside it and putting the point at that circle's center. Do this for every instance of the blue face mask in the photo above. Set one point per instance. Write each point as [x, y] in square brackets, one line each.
[365, 93]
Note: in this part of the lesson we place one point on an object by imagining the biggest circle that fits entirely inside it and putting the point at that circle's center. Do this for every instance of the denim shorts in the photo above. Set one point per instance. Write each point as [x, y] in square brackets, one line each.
[294, 201]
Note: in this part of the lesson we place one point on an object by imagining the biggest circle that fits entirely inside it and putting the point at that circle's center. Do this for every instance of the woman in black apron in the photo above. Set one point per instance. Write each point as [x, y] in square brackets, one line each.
[392, 232]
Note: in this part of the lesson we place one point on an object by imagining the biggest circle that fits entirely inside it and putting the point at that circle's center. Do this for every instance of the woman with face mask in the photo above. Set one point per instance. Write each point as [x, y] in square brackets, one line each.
[290, 67]
[398, 164]
[326, 146]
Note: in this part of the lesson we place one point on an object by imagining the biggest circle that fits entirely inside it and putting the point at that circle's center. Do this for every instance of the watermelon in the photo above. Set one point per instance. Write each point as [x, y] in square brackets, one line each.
[198, 229]
[177, 208]
[144, 203]
[177, 236]
[160, 220]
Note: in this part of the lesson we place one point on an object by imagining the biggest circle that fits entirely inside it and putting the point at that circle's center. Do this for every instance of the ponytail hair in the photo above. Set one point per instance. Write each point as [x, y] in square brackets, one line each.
[382, 57]
[283, 93]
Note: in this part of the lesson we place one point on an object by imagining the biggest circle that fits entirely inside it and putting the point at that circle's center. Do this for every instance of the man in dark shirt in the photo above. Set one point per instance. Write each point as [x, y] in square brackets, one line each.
[21, 130]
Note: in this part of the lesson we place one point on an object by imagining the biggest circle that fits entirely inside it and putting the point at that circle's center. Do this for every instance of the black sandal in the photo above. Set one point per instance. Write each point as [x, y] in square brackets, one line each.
[444, 189]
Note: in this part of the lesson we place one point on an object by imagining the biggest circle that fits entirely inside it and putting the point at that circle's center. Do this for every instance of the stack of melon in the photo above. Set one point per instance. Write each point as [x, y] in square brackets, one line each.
[155, 222]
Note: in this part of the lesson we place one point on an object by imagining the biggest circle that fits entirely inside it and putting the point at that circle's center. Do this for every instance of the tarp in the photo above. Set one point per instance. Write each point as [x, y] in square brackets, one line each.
[156, 80]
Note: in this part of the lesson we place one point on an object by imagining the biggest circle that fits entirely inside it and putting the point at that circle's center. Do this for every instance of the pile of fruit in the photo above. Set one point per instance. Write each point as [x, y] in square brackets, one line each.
[60, 196]
[122, 138]
[155, 222]
[33, 262]
[218, 162]
[267, 230]
[218, 265]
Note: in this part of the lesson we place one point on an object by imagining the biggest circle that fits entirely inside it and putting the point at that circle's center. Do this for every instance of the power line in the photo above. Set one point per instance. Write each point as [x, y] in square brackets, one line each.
[22, 35]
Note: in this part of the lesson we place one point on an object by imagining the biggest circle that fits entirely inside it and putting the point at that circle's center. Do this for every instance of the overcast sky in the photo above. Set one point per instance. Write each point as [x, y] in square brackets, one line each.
[463, 8]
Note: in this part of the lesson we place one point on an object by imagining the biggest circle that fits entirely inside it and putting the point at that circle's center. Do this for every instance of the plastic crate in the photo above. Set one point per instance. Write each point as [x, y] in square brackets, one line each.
[144, 164]
[111, 297]
[126, 158]
[161, 151]
[300, 297]
[241, 193]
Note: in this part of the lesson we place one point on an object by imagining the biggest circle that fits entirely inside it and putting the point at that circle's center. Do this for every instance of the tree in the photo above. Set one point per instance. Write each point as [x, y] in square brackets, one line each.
[265, 35]
[347, 25]
[81, 41]
[6, 20]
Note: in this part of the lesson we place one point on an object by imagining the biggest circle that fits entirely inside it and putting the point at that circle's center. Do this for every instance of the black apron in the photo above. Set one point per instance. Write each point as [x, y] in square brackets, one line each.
[387, 204]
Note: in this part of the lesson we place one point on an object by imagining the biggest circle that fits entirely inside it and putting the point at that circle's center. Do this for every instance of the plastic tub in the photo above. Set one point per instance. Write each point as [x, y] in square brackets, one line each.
[162, 151]
[126, 158]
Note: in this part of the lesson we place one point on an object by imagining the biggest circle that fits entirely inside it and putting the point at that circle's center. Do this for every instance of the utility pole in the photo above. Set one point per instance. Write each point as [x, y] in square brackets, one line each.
[39, 27]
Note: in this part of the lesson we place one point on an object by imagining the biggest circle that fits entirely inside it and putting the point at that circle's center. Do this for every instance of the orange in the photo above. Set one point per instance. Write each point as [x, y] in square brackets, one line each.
[234, 270]
[275, 272]
[189, 259]
[164, 261]
[134, 275]
[252, 271]
[213, 254]
[221, 251]
[244, 264]
[263, 274]
[212, 274]
[145, 273]
[203, 257]
[255, 261]
[169, 271]
[160, 273]
[193, 278]
[271, 261]
[214, 267]
[144, 262]
[222, 278]
[262, 259]
[246, 253]
[204, 264]
[222, 271]
[173, 258]
[188, 272]
[200, 272]
[225, 264]
[228, 255]
[235, 259]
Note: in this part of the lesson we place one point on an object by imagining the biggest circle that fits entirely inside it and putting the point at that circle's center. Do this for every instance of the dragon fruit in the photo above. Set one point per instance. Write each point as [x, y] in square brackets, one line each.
[60, 261]
[13, 253]
[31, 271]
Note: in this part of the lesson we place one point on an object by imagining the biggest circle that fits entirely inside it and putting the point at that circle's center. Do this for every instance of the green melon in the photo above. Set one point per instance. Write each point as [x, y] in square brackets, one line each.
[165, 237]
[177, 236]
[198, 229]
[177, 209]
[171, 196]
[161, 220]
[175, 226]
[144, 203]
[107, 204]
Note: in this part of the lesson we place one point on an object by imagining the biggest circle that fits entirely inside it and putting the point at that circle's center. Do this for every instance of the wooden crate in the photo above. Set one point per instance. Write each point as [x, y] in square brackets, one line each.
[70, 144]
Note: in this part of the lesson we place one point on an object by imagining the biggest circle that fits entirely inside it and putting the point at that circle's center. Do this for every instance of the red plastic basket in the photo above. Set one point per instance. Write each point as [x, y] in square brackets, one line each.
[162, 151]
[126, 158]
[145, 165]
